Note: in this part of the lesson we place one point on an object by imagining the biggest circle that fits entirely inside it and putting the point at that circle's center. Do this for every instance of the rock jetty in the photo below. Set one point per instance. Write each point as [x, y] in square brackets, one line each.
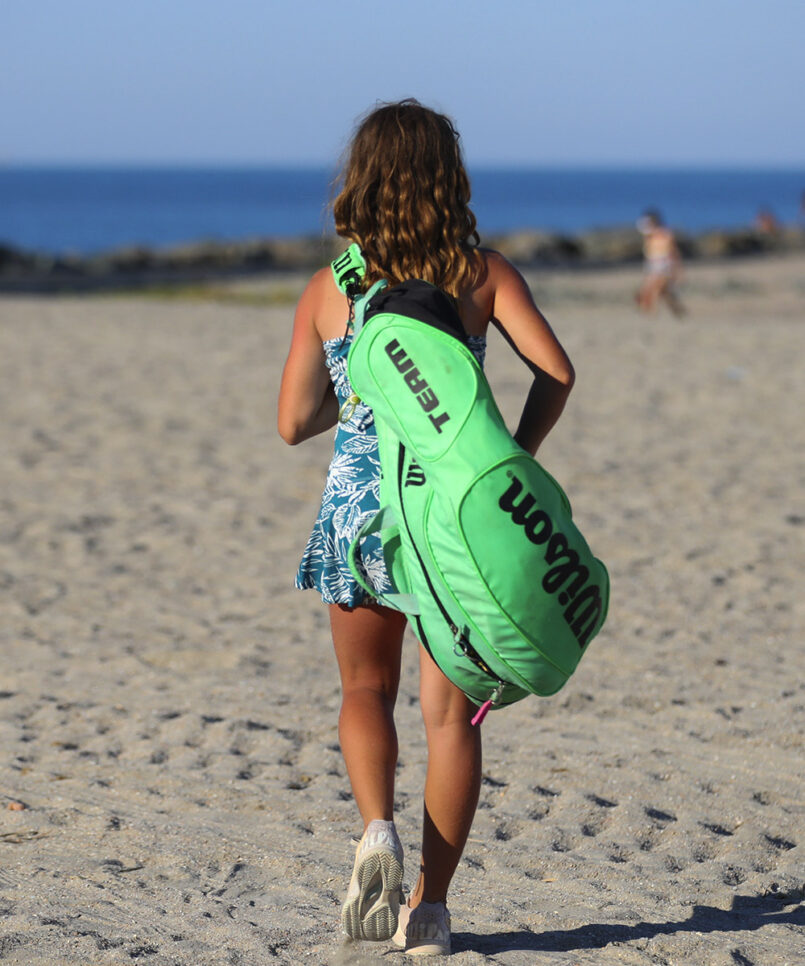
[141, 267]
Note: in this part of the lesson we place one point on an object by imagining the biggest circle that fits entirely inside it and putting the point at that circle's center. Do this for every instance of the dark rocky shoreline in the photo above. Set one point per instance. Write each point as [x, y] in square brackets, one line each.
[139, 267]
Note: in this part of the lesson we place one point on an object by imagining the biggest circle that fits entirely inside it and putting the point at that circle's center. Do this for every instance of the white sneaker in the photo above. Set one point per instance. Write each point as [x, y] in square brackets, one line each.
[424, 931]
[373, 899]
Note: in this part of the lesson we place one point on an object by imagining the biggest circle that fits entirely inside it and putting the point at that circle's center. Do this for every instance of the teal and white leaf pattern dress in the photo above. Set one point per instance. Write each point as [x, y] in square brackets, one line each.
[351, 495]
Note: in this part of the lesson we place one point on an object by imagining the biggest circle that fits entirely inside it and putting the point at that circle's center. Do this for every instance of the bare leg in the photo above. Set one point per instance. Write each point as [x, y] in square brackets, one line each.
[673, 300]
[649, 292]
[453, 780]
[368, 646]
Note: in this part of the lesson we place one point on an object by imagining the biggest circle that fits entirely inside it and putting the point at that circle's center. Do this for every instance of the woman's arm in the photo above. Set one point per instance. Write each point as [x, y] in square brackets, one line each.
[527, 331]
[307, 402]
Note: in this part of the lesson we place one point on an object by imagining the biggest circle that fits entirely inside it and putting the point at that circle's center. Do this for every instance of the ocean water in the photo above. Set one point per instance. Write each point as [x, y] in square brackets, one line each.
[85, 210]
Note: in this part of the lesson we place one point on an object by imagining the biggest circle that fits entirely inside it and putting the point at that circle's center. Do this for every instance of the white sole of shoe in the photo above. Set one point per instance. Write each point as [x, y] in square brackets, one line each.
[428, 949]
[373, 901]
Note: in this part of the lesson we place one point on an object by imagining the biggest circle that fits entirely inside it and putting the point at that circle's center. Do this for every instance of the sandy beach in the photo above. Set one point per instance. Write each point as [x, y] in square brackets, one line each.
[172, 791]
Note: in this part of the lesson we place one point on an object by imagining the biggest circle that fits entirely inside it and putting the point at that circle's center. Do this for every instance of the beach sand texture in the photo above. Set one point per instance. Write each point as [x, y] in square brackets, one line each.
[172, 789]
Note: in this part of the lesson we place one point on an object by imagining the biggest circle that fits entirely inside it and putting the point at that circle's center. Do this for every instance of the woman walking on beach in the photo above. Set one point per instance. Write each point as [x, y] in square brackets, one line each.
[403, 198]
[663, 264]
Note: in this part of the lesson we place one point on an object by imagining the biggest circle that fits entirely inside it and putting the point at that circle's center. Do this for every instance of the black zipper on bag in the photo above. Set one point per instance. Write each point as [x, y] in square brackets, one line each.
[464, 646]
[426, 575]
[460, 641]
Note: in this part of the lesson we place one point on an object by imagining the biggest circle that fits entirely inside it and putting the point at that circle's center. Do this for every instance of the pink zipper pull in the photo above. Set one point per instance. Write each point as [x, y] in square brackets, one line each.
[480, 714]
[493, 699]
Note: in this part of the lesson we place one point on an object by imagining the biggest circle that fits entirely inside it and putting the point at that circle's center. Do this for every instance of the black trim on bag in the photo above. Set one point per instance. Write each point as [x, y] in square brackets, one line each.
[467, 649]
[421, 301]
[434, 595]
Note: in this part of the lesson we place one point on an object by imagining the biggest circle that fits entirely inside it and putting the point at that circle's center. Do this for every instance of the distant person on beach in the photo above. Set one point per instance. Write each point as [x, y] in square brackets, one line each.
[766, 222]
[403, 198]
[663, 264]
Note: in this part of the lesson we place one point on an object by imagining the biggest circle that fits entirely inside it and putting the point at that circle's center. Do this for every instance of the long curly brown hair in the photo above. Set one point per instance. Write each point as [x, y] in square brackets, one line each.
[403, 195]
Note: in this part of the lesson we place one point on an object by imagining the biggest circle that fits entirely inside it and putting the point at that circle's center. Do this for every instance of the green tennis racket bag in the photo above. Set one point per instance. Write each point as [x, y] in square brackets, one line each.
[478, 539]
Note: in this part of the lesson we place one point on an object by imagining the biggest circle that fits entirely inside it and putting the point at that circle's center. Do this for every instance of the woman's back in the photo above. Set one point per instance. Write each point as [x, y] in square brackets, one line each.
[330, 310]
[498, 294]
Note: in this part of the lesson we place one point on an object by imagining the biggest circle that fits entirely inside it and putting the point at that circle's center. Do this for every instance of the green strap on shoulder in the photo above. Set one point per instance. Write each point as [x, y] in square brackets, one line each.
[362, 302]
[348, 270]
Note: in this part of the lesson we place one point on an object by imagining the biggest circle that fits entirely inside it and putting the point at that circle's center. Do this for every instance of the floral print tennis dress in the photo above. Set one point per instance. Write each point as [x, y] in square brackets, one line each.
[351, 493]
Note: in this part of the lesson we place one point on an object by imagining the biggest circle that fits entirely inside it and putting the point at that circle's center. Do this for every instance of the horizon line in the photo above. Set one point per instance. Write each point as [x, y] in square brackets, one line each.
[478, 165]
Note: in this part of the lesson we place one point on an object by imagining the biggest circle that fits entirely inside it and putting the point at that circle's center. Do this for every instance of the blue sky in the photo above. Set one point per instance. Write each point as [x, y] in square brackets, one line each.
[559, 82]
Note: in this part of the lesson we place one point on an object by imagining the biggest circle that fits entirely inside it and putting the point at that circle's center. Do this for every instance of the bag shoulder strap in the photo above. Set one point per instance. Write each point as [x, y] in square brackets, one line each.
[348, 270]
